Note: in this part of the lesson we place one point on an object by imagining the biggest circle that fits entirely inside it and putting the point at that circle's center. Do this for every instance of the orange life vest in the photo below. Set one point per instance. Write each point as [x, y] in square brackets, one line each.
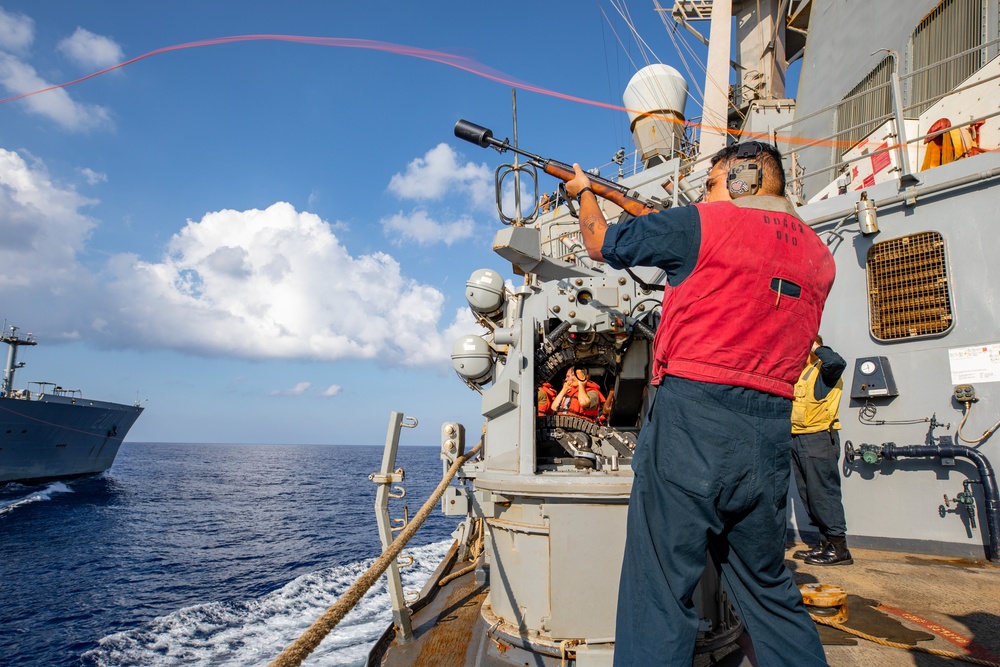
[570, 404]
[546, 392]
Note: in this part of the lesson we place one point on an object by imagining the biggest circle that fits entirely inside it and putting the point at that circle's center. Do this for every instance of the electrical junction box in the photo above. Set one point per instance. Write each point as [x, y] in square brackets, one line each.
[872, 378]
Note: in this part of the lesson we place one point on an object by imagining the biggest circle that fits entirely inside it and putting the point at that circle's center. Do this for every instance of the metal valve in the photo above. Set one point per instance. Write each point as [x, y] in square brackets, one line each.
[964, 499]
[870, 454]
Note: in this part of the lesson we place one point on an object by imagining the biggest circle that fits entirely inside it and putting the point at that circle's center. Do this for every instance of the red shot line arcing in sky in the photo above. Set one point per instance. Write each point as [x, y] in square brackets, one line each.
[450, 59]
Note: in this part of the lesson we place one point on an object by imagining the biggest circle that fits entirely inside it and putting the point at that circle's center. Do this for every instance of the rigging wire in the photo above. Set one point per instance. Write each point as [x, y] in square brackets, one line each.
[615, 127]
[643, 46]
[640, 42]
[617, 37]
[700, 100]
[680, 43]
[760, 39]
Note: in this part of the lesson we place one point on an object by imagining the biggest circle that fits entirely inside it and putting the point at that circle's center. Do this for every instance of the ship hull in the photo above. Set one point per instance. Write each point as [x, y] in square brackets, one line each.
[59, 437]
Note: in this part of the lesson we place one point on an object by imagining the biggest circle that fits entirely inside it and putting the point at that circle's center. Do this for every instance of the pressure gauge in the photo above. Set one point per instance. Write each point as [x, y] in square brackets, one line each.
[873, 377]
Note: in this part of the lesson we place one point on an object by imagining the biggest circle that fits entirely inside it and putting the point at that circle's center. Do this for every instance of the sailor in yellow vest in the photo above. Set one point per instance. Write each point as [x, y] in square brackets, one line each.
[816, 451]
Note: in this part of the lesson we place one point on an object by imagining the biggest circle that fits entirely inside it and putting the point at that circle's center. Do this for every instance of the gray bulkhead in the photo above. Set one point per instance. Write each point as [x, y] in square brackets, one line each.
[907, 504]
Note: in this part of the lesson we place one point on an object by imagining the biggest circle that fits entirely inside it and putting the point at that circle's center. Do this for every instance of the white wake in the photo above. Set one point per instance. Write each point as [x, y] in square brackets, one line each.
[254, 632]
[34, 497]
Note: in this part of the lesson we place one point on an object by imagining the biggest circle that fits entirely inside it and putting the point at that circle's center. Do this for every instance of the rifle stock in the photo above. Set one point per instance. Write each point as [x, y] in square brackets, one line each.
[615, 194]
[602, 187]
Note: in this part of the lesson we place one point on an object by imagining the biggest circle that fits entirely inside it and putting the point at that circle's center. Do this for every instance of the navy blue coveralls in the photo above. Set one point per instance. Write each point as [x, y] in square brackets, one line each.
[712, 467]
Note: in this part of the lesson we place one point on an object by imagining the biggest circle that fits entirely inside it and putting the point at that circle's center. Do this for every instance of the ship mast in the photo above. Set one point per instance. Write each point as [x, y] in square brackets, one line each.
[760, 61]
[14, 340]
[715, 108]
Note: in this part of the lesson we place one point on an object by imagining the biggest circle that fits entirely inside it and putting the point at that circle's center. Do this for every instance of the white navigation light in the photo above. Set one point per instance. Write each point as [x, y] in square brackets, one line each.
[655, 99]
[485, 291]
[472, 359]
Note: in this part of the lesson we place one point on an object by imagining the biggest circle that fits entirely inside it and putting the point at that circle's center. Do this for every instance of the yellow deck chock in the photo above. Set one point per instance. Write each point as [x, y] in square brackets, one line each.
[825, 601]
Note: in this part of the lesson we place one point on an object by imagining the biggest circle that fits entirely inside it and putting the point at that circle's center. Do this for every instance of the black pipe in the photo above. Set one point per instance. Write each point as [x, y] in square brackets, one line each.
[891, 451]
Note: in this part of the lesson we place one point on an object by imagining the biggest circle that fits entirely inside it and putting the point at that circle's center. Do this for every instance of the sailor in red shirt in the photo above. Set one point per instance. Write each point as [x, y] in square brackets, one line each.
[746, 283]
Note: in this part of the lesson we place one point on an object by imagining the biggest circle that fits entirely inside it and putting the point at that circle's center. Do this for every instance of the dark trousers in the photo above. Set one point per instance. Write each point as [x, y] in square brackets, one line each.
[711, 472]
[815, 459]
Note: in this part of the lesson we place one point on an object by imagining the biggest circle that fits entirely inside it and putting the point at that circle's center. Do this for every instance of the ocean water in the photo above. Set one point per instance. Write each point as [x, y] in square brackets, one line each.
[219, 555]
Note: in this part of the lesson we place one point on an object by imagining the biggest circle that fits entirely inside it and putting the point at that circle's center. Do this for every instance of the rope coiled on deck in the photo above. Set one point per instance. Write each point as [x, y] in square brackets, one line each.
[908, 647]
[300, 649]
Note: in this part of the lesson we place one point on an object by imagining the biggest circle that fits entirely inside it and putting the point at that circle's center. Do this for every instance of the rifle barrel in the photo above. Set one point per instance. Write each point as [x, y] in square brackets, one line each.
[483, 137]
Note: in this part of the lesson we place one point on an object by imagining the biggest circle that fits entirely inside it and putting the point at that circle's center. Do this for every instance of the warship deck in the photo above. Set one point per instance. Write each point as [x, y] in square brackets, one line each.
[947, 604]
[930, 602]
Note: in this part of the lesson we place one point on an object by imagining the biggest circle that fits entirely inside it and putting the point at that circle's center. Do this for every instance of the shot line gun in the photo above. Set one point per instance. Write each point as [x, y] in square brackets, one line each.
[602, 187]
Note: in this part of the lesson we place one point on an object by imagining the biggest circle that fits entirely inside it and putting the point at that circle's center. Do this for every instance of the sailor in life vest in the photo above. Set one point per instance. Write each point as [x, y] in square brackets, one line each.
[816, 451]
[546, 394]
[579, 396]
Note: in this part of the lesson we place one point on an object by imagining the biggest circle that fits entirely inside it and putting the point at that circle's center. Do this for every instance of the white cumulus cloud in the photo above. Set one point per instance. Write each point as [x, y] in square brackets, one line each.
[254, 284]
[44, 232]
[91, 51]
[18, 77]
[277, 283]
[17, 32]
[438, 176]
[419, 227]
[40, 223]
[332, 390]
[439, 173]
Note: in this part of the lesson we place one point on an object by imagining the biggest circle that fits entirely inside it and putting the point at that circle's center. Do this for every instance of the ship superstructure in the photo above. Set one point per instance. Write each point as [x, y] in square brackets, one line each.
[891, 149]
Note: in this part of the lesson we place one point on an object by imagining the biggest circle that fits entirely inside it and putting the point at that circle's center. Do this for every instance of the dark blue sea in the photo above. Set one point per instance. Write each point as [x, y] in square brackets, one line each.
[186, 554]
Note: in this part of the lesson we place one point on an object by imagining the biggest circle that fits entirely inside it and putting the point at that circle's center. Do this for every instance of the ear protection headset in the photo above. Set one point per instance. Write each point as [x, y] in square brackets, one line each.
[744, 177]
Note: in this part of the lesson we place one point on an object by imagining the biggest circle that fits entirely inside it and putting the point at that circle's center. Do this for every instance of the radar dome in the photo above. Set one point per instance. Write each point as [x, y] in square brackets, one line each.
[655, 98]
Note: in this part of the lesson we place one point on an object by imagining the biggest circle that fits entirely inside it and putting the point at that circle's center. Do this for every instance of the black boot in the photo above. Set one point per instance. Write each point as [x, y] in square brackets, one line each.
[802, 554]
[836, 553]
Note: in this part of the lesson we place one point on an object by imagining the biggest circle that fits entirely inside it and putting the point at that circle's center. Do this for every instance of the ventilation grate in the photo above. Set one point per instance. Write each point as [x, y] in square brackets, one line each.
[866, 107]
[952, 28]
[908, 287]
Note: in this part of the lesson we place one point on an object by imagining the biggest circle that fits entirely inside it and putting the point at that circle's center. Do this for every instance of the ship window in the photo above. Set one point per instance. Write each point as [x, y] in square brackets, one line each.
[909, 293]
[944, 51]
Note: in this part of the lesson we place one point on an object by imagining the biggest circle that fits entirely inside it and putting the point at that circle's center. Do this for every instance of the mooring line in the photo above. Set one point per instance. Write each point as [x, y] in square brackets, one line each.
[300, 649]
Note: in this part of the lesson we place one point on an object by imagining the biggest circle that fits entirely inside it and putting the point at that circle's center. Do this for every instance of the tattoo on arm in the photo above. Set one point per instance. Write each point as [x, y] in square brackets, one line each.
[593, 227]
[592, 223]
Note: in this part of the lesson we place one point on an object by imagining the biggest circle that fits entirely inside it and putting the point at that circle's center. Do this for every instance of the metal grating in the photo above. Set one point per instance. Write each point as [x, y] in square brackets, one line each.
[866, 106]
[908, 287]
[953, 27]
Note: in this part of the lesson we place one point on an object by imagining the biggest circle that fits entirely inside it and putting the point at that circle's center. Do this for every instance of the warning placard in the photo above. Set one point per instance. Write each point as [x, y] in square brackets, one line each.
[978, 363]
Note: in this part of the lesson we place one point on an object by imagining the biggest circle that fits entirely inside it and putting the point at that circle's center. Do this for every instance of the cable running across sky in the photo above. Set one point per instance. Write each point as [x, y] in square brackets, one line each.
[442, 57]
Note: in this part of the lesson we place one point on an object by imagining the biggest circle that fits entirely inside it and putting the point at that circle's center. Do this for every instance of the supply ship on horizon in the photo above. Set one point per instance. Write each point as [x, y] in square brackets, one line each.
[55, 433]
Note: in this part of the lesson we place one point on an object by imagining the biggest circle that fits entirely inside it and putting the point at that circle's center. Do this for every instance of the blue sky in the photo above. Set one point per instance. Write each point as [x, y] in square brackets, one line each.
[268, 241]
